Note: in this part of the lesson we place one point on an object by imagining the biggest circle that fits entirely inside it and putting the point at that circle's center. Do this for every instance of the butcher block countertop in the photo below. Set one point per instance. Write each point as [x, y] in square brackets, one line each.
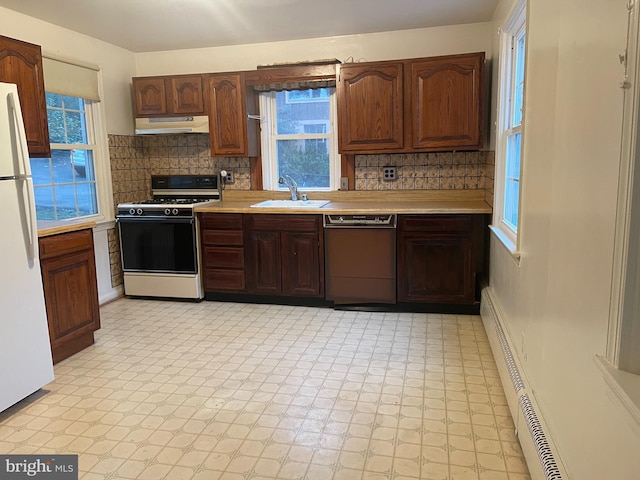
[54, 227]
[357, 202]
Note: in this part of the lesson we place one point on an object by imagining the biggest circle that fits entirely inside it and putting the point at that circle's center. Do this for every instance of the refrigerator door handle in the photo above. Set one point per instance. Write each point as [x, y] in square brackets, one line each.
[31, 221]
[22, 137]
[24, 176]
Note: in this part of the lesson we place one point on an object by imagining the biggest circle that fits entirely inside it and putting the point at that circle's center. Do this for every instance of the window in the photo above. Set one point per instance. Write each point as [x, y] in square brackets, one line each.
[65, 184]
[510, 128]
[299, 139]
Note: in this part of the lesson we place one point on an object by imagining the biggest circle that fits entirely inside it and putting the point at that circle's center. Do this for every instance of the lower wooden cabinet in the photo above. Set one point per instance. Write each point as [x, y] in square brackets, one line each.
[68, 269]
[285, 255]
[439, 257]
[222, 252]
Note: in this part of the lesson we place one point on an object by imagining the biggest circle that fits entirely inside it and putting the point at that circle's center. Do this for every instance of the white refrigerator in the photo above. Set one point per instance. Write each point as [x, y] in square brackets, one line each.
[25, 352]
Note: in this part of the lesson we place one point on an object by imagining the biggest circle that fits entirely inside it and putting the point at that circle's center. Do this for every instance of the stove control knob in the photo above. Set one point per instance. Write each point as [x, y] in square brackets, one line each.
[167, 211]
[132, 211]
[139, 211]
[175, 211]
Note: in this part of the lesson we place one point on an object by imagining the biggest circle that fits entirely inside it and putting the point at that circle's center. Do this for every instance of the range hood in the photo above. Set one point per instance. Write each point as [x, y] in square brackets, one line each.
[147, 126]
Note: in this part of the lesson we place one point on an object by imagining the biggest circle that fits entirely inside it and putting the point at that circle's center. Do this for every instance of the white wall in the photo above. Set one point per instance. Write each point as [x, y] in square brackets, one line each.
[117, 64]
[556, 301]
[370, 47]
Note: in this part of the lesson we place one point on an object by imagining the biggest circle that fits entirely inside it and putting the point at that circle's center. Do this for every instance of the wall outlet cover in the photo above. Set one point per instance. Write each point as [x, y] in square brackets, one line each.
[389, 173]
[229, 178]
[344, 183]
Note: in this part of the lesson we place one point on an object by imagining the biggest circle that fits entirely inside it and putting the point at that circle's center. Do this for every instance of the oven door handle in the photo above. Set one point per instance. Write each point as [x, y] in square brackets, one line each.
[154, 219]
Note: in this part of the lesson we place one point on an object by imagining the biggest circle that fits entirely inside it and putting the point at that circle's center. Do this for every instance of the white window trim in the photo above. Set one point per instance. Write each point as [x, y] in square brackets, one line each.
[96, 123]
[104, 186]
[624, 311]
[509, 237]
[268, 144]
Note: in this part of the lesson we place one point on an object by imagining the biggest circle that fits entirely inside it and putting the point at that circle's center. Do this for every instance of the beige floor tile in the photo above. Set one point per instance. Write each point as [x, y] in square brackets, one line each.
[268, 391]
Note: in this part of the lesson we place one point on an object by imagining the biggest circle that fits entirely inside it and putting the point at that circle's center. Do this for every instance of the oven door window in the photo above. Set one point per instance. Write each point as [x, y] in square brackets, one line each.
[158, 246]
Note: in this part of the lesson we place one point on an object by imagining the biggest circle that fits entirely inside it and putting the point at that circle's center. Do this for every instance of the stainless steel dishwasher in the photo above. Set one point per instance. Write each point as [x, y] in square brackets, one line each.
[360, 258]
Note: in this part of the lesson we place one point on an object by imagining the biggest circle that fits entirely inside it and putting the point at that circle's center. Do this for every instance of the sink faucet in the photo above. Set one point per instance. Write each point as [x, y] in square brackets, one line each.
[291, 184]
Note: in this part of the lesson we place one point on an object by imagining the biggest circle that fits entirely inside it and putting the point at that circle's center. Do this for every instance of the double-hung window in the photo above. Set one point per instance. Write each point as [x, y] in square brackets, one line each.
[65, 184]
[75, 181]
[510, 128]
[299, 138]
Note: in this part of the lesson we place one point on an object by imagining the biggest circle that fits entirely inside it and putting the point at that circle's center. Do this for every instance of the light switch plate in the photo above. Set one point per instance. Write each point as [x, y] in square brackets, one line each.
[389, 173]
[344, 183]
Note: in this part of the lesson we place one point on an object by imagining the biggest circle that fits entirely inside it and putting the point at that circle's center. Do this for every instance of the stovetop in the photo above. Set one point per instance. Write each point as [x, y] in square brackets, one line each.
[174, 195]
[174, 201]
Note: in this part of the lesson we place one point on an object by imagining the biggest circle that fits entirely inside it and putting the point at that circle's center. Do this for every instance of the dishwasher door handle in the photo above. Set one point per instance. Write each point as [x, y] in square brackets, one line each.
[383, 220]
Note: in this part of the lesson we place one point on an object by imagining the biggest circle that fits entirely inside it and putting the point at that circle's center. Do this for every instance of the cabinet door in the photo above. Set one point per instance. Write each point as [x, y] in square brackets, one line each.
[227, 115]
[264, 263]
[71, 298]
[435, 269]
[446, 101]
[21, 63]
[301, 264]
[370, 107]
[150, 96]
[187, 95]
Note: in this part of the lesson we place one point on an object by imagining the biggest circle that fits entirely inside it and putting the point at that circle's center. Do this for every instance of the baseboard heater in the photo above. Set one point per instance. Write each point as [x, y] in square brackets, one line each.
[549, 466]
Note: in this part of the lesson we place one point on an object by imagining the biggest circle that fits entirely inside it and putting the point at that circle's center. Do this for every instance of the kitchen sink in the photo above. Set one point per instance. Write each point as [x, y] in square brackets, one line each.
[291, 204]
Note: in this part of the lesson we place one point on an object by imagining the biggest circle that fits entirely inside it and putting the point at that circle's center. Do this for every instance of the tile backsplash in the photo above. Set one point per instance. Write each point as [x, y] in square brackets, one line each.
[426, 171]
[135, 158]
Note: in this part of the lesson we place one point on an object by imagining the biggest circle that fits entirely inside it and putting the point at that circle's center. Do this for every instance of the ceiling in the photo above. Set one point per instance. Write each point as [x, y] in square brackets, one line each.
[156, 25]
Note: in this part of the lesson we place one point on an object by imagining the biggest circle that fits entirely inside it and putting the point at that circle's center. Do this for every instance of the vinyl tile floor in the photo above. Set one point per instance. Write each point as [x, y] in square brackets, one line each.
[205, 391]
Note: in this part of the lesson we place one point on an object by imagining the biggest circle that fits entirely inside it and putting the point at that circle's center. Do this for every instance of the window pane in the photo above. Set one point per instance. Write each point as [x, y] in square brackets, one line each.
[512, 179]
[83, 164]
[511, 203]
[514, 147]
[62, 166]
[76, 132]
[518, 82]
[56, 126]
[87, 201]
[45, 209]
[65, 201]
[293, 117]
[41, 171]
[306, 161]
[53, 100]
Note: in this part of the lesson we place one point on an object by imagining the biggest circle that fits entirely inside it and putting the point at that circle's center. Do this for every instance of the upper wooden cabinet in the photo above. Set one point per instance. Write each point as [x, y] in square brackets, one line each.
[230, 102]
[446, 101]
[167, 96]
[415, 105]
[370, 106]
[21, 63]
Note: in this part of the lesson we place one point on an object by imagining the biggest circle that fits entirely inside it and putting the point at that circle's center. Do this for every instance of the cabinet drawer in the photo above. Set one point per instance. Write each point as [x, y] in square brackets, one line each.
[228, 280]
[435, 223]
[225, 221]
[65, 243]
[225, 257]
[222, 237]
[286, 223]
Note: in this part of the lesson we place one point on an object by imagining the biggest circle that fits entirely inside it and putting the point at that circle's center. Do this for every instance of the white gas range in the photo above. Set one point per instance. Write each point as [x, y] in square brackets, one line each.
[159, 238]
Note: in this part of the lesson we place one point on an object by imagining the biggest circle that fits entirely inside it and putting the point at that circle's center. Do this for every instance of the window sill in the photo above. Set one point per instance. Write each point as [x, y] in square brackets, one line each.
[507, 242]
[625, 388]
